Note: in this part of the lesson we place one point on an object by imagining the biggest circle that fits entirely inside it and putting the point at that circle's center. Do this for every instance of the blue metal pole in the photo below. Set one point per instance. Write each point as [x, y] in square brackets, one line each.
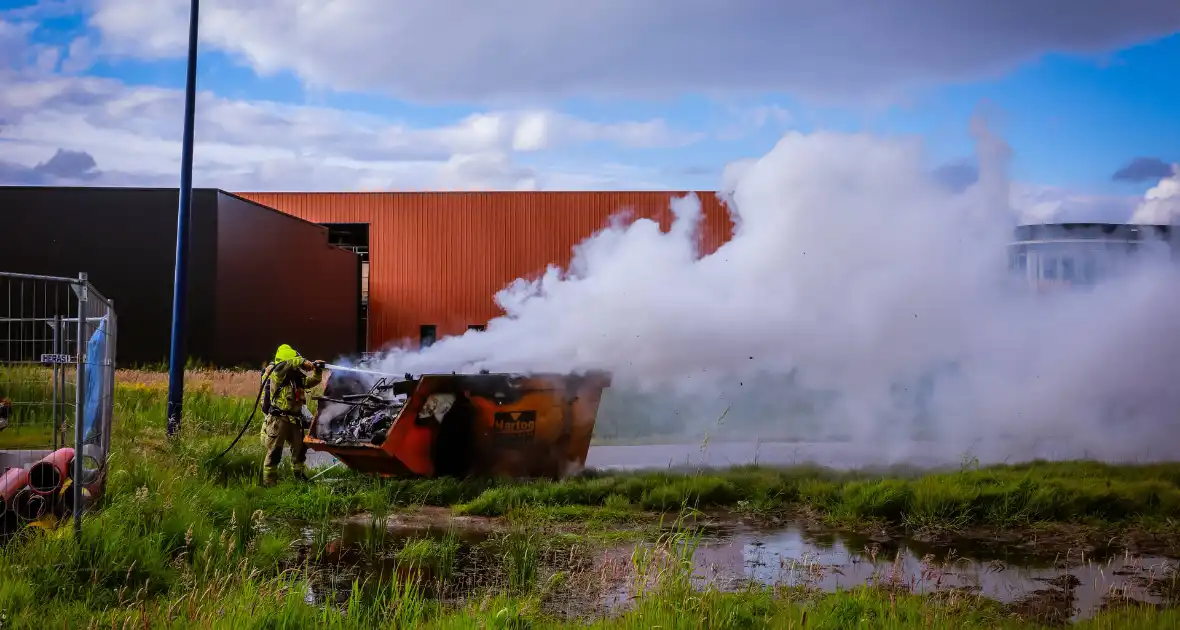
[178, 357]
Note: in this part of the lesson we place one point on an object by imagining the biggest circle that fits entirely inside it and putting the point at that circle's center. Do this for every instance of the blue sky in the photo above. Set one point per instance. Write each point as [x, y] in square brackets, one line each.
[630, 95]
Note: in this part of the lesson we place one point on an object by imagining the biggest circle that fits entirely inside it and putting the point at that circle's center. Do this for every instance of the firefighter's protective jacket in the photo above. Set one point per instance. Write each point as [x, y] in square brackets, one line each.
[285, 391]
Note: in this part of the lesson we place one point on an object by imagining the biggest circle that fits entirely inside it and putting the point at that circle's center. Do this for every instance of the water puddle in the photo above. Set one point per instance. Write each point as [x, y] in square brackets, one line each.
[454, 559]
[1052, 588]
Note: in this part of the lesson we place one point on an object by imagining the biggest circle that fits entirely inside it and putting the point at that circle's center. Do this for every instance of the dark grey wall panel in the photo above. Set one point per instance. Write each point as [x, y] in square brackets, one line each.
[125, 239]
[278, 281]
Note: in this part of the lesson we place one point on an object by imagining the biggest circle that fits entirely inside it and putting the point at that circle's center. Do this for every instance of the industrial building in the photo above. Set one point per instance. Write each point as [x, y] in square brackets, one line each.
[338, 273]
[1079, 255]
[257, 277]
[435, 260]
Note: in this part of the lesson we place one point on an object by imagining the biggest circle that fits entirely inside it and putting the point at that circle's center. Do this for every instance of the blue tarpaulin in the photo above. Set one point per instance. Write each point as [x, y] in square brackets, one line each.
[95, 380]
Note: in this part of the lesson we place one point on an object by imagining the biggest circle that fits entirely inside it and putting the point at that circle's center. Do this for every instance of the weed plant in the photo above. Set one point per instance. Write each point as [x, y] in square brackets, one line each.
[435, 555]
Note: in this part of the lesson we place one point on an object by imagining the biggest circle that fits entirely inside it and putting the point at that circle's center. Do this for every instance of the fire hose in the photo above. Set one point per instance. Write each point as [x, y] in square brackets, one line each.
[250, 418]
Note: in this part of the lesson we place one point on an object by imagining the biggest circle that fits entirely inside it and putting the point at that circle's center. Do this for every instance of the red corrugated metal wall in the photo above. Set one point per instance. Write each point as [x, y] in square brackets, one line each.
[440, 257]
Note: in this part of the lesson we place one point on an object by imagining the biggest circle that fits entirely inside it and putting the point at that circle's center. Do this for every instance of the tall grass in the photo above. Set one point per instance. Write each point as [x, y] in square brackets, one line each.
[996, 496]
[186, 539]
[239, 596]
[431, 556]
[521, 557]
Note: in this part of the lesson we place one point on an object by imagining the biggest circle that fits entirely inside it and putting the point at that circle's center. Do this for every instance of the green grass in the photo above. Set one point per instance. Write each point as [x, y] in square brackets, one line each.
[30, 436]
[859, 608]
[238, 601]
[1000, 497]
[184, 539]
[31, 420]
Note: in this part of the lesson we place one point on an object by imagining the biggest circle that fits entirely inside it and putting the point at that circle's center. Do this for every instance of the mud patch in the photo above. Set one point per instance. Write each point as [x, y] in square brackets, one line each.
[425, 520]
[449, 559]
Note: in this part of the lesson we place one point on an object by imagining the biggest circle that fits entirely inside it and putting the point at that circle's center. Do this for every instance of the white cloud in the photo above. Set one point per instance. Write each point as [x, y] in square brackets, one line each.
[507, 49]
[482, 171]
[763, 115]
[538, 130]
[14, 43]
[1050, 204]
[132, 133]
[754, 119]
[79, 56]
[1161, 204]
[132, 136]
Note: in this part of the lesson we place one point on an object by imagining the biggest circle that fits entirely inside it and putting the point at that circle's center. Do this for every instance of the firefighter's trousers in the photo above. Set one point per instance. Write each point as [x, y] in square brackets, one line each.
[277, 432]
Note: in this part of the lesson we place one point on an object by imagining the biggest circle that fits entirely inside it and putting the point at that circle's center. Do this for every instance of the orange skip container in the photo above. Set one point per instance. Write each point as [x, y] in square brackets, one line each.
[460, 425]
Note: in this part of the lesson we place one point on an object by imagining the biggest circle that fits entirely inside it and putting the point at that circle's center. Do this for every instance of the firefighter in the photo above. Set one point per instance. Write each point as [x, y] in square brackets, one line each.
[283, 398]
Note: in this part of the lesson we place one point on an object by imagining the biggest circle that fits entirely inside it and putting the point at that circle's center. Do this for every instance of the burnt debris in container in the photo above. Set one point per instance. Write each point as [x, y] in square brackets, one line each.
[364, 417]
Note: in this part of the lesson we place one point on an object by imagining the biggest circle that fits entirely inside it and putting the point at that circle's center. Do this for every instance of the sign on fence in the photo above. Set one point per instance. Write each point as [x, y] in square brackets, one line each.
[56, 358]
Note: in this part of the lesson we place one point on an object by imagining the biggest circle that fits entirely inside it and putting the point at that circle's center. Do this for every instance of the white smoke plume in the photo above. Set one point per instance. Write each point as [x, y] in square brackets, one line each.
[857, 299]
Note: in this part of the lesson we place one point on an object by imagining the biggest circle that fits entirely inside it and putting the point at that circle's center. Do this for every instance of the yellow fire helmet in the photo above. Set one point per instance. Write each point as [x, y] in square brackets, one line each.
[286, 354]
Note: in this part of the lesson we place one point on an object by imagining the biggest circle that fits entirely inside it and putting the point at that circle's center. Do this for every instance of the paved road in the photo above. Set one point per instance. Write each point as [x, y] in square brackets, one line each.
[840, 455]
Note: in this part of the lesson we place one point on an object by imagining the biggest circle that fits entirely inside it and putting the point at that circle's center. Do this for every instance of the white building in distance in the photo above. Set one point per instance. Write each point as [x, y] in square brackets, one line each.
[1078, 255]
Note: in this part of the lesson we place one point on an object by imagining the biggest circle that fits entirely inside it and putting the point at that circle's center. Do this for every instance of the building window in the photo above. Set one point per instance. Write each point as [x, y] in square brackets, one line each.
[1049, 268]
[353, 237]
[365, 282]
[477, 327]
[1067, 270]
[426, 335]
[1089, 270]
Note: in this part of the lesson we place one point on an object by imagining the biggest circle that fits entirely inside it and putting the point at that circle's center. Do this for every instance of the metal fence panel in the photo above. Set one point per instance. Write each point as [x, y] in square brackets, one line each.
[46, 325]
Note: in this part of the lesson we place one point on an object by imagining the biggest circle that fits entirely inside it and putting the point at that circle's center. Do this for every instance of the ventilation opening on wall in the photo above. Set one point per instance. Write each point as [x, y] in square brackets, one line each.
[477, 327]
[426, 335]
[354, 237]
